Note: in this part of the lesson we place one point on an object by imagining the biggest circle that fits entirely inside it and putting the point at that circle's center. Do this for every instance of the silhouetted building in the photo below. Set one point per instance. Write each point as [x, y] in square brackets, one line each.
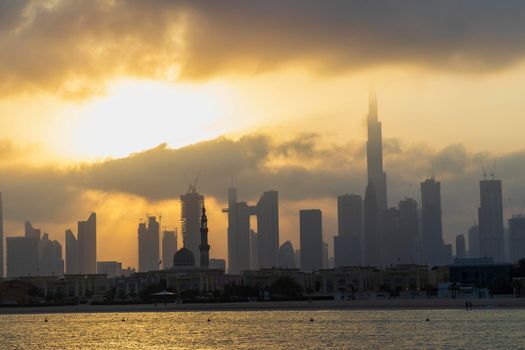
[219, 264]
[490, 216]
[460, 247]
[326, 258]
[374, 154]
[111, 269]
[297, 254]
[268, 229]
[517, 238]
[1, 237]
[390, 247]
[254, 255]
[183, 259]
[287, 256]
[311, 235]
[473, 242]
[348, 244]
[31, 232]
[376, 191]
[50, 262]
[204, 247]
[72, 255]
[87, 245]
[432, 229]
[238, 234]
[148, 235]
[22, 256]
[169, 248]
[191, 207]
[406, 245]
[373, 238]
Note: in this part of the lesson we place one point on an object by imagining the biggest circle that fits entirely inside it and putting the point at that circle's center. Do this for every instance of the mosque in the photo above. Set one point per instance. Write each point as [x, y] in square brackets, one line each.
[185, 259]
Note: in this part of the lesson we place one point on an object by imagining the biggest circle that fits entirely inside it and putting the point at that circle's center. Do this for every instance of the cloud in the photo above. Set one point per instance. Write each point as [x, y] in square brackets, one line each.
[74, 47]
[311, 174]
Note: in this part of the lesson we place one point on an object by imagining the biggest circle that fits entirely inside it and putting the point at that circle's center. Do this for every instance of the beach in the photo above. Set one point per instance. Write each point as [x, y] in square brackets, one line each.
[379, 304]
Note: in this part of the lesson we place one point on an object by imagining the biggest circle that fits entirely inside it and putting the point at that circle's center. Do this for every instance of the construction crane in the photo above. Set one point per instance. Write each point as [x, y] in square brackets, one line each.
[493, 174]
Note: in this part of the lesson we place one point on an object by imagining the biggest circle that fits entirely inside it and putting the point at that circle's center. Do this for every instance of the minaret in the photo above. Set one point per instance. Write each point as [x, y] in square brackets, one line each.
[204, 247]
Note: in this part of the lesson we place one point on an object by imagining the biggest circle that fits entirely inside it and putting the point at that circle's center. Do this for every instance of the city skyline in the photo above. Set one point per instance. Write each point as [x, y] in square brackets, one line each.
[178, 114]
[191, 203]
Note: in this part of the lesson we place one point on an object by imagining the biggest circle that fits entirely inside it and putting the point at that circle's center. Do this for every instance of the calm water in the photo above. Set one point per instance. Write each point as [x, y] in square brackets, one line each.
[447, 329]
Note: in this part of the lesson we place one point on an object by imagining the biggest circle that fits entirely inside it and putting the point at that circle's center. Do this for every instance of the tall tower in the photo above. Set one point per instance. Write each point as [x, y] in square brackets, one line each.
[490, 216]
[87, 245]
[238, 233]
[268, 229]
[204, 247]
[432, 228]
[311, 238]
[374, 154]
[149, 245]
[375, 196]
[1, 237]
[348, 244]
[191, 207]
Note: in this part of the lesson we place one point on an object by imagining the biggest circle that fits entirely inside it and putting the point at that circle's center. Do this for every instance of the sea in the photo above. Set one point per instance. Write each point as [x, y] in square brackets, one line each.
[330, 329]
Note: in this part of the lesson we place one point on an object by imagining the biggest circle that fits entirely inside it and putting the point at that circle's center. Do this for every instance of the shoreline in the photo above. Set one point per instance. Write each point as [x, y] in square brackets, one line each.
[382, 304]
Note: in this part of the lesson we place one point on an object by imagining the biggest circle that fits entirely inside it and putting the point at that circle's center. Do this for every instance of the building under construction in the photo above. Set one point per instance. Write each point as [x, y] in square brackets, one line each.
[191, 208]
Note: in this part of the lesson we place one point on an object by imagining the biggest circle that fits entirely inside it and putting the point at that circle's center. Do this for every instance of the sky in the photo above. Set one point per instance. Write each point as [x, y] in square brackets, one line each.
[115, 106]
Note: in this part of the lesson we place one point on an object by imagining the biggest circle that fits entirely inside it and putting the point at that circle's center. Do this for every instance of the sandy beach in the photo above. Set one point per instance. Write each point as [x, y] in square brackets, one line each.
[393, 304]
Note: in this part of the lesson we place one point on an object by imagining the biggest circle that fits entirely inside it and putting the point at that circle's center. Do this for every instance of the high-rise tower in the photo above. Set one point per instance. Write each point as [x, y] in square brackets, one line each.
[374, 154]
[432, 228]
[87, 245]
[490, 215]
[204, 247]
[375, 197]
[191, 207]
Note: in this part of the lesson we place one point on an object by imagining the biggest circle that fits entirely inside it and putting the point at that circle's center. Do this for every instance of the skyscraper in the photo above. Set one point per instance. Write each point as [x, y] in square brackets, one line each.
[408, 231]
[254, 254]
[268, 229]
[376, 192]
[31, 232]
[1, 237]
[204, 247]
[490, 217]
[22, 256]
[311, 237]
[348, 244]
[148, 235]
[517, 238]
[473, 242]
[87, 245]
[372, 240]
[169, 248]
[50, 260]
[391, 249]
[374, 154]
[325, 260]
[72, 255]
[238, 233]
[191, 208]
[432, 228]
[460, 247]
[286, 256]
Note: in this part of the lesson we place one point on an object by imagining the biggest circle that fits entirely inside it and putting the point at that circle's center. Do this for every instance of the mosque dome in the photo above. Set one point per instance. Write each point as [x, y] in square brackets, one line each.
[183, 258]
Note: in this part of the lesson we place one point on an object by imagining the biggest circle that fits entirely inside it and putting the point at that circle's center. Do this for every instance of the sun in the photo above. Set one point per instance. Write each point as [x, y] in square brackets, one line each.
[138, 115]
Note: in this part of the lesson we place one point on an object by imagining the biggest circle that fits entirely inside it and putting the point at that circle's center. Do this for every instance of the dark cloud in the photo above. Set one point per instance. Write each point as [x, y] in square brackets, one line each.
[72, 47]
[257, 163]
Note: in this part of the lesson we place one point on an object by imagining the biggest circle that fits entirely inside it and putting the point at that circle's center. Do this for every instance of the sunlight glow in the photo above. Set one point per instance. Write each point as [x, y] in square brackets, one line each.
[138, 115]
